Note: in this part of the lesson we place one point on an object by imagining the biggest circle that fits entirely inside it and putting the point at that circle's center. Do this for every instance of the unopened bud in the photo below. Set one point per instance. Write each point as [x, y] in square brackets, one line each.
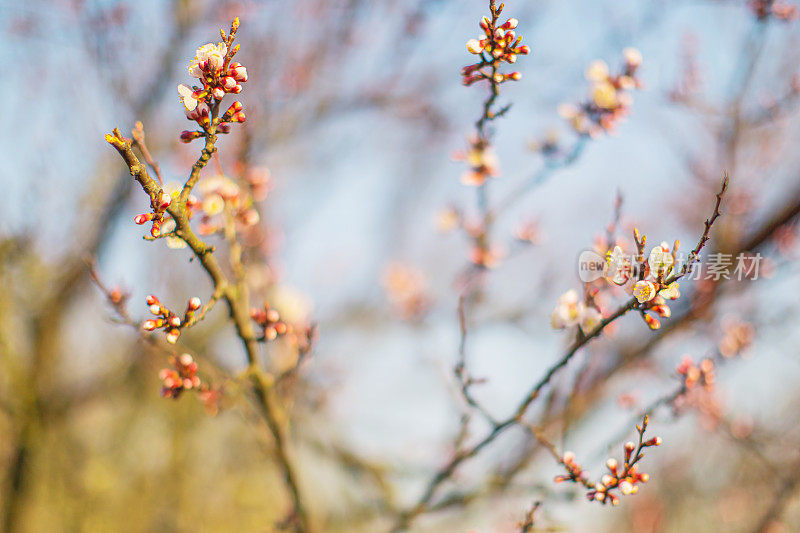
[655, 441]
[228, 83]
[189, 136]
[164, 201]
[194, 303]
[172, 336]
[474, 46]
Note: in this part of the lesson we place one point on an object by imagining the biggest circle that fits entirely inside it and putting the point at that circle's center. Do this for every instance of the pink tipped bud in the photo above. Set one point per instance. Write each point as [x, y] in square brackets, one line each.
[218, 93]
[151, 324]
[155, 309]
[474, 46]
[485, 23]
[189, 136]
[238, 117]
[611, 464]
[228, 83]
[194, 303]
[629, 446]
[174, 321]
[172, 336]
[236, 90]
[164, 201]
[524, 50]
[239, 74]
[185, 359]
[655, 441]
[152, 300]
[510, 24]
[516, 76]
[143, 219]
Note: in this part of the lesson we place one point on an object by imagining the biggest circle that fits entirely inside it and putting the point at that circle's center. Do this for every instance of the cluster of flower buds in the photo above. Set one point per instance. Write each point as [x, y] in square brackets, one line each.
[182, 376]
[610, 97]
[694, 374]
[167, 320]
[571, 311]
[738, 336]
[270, 322]
[763, 9]
[624, 478]
[223, 195]
[645, 280]
[482, 161]
[159, 203]
[574, 471]
[218, 76]
[498, 44]
[406, 290]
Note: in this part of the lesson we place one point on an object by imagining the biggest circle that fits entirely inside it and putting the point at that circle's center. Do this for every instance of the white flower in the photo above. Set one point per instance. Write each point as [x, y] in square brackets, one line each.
[644, 291]
[597, 71]
[618, 267]
[590, 319]
[187, 97]
[208, 57]
[213, 204]
[568, 311]
[660, 259]
[633, 57]
[671, 292]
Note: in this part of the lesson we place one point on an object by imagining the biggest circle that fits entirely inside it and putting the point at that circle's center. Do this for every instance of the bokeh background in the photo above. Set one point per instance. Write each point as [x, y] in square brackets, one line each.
[355, 108]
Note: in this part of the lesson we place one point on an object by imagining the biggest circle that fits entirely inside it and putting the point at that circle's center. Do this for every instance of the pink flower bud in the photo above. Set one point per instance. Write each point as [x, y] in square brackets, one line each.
[155, 309]
[224, 127]
[185, 359]
[228, 83]
[655, 441]
[151, 300]
[174, 321]
[239, 73]
[218, 93]
[510, 24]
[194, 303]
[236, 90]
[151, 324]
[164, 201]
[238, 117]
[144, 218]
[172, 336]
[189, 136]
